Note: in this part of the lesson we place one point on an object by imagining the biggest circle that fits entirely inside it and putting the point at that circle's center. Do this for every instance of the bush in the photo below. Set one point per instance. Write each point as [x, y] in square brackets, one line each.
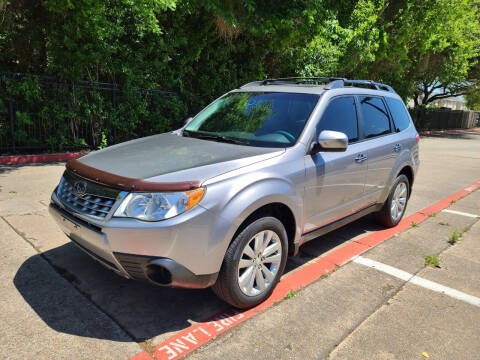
[57, 116]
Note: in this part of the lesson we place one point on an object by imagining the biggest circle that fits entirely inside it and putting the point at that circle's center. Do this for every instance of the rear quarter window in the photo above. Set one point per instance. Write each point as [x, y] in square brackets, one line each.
[400, 115]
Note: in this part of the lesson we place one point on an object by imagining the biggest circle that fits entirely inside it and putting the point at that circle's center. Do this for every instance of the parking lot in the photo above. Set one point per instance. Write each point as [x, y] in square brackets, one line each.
[386, 304]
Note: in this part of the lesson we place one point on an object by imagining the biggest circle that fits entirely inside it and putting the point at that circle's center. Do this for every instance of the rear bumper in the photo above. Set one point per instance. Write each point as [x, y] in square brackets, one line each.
[154, 269]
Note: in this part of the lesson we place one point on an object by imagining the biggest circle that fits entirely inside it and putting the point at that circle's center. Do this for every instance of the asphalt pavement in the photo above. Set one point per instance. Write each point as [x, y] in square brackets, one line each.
[59, 303]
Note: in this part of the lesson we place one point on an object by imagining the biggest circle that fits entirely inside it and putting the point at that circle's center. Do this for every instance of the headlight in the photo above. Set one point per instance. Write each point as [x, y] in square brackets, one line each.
[158, 206]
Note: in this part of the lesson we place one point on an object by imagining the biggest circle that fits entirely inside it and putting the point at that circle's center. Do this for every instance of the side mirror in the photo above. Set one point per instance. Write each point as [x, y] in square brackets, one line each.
[331, 141]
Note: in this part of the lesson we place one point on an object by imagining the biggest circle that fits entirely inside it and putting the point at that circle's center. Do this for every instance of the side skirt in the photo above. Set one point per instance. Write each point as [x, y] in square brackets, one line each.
[340, 222]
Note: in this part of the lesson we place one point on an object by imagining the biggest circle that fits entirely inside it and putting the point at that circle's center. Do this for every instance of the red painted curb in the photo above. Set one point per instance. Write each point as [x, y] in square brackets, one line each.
[343, 254]
[191, 338]
[35, 159]
[448, 131]
[142, 356]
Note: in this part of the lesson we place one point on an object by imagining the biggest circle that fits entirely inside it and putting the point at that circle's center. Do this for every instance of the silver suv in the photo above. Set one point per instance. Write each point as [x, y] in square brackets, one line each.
[257, 173]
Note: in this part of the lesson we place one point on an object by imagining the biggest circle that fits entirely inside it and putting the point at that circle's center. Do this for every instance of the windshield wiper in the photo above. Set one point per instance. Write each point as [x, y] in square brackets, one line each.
[215, 137]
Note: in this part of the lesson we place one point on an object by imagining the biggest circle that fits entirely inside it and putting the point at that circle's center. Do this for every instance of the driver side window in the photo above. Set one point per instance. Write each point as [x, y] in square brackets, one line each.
[340, 115]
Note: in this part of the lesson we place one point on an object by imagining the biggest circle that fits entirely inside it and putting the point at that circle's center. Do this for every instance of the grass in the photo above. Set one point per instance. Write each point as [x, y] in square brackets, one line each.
[290, 294]
[414, 224]
[466, 228]
[453, 201]
[444, 223]
[432, 214]
[12, 192]
[324, 276]
[454, 237]
[432, 260]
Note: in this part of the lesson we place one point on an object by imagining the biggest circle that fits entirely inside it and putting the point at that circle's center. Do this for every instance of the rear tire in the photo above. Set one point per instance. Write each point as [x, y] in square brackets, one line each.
[394, 207]
[253, 263]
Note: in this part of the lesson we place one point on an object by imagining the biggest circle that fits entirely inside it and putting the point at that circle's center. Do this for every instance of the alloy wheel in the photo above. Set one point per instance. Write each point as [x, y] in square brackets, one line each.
[399, 201]
[259, 263]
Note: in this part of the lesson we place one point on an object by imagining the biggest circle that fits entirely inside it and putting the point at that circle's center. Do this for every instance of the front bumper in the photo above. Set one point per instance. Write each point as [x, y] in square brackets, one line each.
[169, 254]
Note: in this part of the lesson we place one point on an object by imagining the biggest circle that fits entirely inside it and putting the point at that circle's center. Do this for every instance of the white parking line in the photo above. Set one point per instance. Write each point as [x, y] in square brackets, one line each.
[417, 280]
[460, 213]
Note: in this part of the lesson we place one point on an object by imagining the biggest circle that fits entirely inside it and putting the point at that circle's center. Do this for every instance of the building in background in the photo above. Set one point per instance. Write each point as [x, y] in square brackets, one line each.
[454, 103]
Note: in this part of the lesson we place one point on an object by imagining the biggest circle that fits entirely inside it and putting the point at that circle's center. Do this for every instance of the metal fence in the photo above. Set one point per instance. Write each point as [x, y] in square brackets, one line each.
[28, 126]
[54, 121]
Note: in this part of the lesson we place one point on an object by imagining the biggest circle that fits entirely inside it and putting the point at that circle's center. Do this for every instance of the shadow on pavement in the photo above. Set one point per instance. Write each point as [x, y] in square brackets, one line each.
[143, 310]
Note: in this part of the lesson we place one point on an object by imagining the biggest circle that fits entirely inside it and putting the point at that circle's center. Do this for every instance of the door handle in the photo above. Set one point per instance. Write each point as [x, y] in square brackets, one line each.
[397, 147]
[360, 158]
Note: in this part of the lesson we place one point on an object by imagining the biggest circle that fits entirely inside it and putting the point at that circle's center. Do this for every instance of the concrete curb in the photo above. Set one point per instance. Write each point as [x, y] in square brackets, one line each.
[449, 131]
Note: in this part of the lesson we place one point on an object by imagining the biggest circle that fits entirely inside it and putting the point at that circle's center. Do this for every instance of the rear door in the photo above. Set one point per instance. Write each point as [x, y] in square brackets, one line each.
[381, 142]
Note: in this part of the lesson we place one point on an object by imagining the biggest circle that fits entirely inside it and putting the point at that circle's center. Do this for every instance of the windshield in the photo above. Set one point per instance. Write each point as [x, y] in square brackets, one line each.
[254, 118]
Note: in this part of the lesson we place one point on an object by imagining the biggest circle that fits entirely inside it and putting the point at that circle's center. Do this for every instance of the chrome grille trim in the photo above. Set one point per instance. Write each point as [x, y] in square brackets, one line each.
[97, 201]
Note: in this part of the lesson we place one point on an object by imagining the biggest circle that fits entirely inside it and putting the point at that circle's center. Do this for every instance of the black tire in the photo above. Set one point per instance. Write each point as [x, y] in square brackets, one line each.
[384, 216]
[227, 287]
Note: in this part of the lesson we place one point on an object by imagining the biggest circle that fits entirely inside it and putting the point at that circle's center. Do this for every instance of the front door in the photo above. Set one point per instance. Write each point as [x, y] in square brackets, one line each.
[335, 180]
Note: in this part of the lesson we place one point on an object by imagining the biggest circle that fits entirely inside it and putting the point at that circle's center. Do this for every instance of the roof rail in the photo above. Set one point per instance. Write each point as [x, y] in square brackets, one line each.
[301, 80]
[372, 84]
[331, 83]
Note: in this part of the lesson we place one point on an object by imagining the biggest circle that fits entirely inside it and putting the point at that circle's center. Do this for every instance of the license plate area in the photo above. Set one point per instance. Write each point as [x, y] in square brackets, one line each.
[89, 238]
[69, 227]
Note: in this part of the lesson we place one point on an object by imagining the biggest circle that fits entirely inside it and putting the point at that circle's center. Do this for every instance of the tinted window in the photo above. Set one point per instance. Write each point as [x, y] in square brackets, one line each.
[254, 118]
[375, 117]
[340, 115]
[399, 113]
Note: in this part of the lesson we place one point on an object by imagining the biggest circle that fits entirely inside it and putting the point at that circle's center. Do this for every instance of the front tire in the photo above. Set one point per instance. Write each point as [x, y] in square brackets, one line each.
[394, 207]
[253, 263]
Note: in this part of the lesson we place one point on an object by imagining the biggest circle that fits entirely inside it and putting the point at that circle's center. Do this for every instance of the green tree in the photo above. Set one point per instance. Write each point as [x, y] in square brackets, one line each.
[428, 48]
[473, 98]
[472, 95]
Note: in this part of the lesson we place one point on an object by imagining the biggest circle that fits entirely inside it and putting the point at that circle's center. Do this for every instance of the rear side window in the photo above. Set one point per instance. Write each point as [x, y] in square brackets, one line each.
[375, 117]
[340, 115]
[401, 119]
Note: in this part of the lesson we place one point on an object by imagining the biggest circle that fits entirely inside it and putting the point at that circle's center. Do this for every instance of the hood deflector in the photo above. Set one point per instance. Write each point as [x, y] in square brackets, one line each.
[126, 183]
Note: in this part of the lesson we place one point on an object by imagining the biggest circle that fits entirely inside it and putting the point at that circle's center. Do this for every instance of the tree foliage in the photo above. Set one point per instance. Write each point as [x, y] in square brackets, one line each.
[428, 48]
[200, 49]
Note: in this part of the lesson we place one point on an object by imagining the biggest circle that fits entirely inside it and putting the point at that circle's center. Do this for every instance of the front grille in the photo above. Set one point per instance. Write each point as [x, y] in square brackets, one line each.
[69, 216]
[86, 197]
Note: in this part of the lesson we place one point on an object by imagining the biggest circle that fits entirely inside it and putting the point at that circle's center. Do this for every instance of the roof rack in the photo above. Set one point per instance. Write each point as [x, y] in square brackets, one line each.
[331, 83]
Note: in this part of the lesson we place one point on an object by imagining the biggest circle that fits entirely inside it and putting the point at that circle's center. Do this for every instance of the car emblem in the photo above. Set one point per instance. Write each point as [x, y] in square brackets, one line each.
[80, 188]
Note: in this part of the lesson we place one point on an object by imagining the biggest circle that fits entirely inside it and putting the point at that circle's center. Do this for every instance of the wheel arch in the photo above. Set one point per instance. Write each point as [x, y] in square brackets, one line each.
[407, 170]
[402, 167]
[279, 211]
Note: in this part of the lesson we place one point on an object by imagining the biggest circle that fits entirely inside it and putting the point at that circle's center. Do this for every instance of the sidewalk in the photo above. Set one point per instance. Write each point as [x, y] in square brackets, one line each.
[360, 312]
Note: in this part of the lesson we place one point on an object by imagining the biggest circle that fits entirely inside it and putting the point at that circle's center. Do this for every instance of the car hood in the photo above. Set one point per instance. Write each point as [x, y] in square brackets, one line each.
[171, 157]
